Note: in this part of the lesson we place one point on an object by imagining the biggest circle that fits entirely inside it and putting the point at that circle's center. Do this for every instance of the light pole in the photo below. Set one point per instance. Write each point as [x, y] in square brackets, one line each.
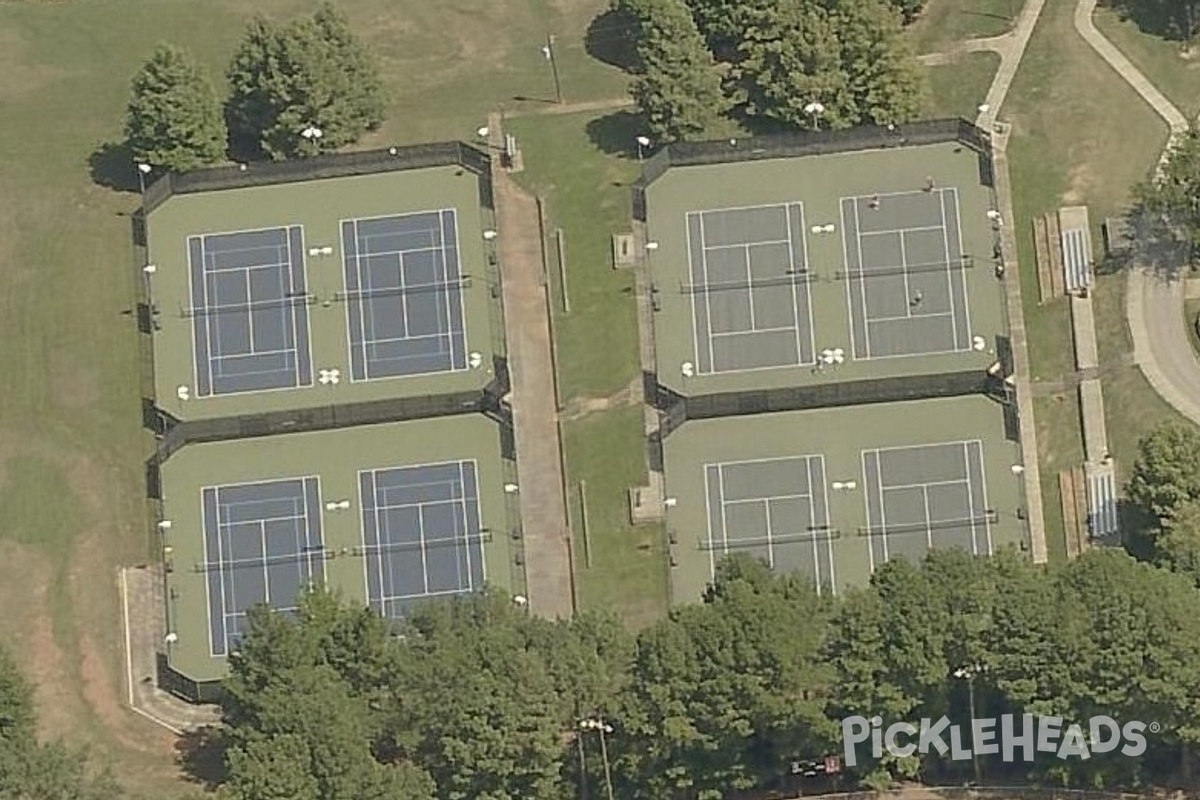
[642, 143]
[603, 728]
[312, 134]
[968, 674]
[143, 169]
[814, 110]
[548, 52]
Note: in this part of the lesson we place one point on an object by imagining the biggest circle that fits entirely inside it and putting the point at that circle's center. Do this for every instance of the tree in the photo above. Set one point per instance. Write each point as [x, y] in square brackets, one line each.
[1177, 545]
[1171, 201]
[174, 120]
[1166, 473]
[678, 89]
[721, 701]
[1174, 19]
[846, 57]
[909, 9]
[310, 74]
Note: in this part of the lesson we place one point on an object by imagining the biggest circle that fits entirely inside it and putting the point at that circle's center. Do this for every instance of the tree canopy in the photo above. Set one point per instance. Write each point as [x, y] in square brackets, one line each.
[1171, 201]
[796, 63]
[473, 698]
[311, 74]
[174, 119]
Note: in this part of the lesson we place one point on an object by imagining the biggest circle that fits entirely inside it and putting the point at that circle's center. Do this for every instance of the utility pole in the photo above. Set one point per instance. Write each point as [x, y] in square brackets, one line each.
[602, 728]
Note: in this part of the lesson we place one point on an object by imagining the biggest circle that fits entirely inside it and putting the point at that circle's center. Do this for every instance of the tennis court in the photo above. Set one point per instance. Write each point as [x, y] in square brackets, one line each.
[262, 544]
[906, 286]
[751, 307]
[421, 534]
[249, 304]
[404, 295]
[926, 496]
[775, 510]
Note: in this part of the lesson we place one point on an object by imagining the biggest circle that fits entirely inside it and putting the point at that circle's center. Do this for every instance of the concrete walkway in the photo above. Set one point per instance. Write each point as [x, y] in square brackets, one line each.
[1154, 302]
[1011, 48]
[548, 568]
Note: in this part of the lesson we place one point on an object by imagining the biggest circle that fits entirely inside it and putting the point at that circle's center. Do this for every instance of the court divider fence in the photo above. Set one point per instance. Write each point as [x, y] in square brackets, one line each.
[676, 409]
[811, 143]
[331, 165]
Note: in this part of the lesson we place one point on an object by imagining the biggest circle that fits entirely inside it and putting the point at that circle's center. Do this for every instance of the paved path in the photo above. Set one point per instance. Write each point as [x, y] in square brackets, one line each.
[535, 412]
[1154, 303]
[1011, 47]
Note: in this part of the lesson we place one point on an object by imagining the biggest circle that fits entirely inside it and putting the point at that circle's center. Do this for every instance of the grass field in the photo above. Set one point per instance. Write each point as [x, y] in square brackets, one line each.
[587, 195]
[1175, 72]
[628, 574]
[70, 475]
[956, 89]
[945, 22]
[1066, 151]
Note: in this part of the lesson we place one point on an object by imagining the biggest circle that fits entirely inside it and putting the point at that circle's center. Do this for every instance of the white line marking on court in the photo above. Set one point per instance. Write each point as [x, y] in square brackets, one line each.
[971, 500]
[726, 334]
[863, 287]
[914, 229]
[708, 520]
[712, 363]
[933, 315]
[962, 278]
[928, 518]
[724, 505]
[908, 295]
[749, 286]
[882, 507]
[770, 542]
[949, 276]
[825, 522]
[849, 285]
[891, 486]
[687, 243]
[867, 489]
[802, 233]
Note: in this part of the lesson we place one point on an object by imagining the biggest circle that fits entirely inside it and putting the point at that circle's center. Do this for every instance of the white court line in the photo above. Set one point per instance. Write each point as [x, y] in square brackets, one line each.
[748, 461]
[770, 545]
[914, 229]
[933, 315]
[891, 486]
[928, 519]
[867, 508]
[212, 647]
[882, 508]
[923, 445]
[949, 276]
[971, 500]
[749, 286]
[908, 295]
[845, 219]
[987, 523]
[687, 242]
[708, 520]
[812, 341]
[712, 363]
[777, 329]
[962, 273]
[825, 522]
[755, 243]
[724, 518]
[768, 498]
[794, 311]
[812, 516]
[861, 271]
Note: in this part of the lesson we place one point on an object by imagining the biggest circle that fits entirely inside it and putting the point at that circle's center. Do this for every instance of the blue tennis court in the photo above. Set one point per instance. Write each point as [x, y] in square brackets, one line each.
[421, 534]
[404, 295]
[262, 544]
[249, 304]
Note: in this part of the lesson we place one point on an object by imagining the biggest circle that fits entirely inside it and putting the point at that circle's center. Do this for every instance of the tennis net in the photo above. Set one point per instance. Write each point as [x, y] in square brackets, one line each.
[908, 269]
[317, 552]
[817, 534]
[423, 544]
[393, 291]
[290, 301]
[987, 517]
[791, 279]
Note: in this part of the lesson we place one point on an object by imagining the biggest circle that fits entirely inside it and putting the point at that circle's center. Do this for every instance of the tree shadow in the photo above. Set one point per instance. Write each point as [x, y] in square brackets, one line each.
[1157, 19]
[616, 134]
[201, 755]
[1138, 527]
[611, 38]
[111, 165]
[1156, 244]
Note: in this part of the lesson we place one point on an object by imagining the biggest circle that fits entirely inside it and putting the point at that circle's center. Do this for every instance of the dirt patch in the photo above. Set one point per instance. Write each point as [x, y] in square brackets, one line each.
[18, 75]
[1080, 181]
[75, 385]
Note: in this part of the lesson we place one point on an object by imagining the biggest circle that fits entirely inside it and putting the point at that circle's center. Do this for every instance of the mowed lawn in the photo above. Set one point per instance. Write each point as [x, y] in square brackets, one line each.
[1066, 151]
[71, 448]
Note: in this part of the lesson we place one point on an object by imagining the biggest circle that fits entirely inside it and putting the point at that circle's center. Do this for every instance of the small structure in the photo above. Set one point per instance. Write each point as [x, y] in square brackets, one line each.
[624, 250]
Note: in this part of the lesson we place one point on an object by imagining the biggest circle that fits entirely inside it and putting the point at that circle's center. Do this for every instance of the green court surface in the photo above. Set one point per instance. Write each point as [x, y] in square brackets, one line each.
[823, 268]
[386, 514]
[283, 298]
[831, 493]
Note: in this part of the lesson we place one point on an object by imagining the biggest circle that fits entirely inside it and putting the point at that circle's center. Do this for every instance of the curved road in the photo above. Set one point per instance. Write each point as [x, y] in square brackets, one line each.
[1154, 302]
